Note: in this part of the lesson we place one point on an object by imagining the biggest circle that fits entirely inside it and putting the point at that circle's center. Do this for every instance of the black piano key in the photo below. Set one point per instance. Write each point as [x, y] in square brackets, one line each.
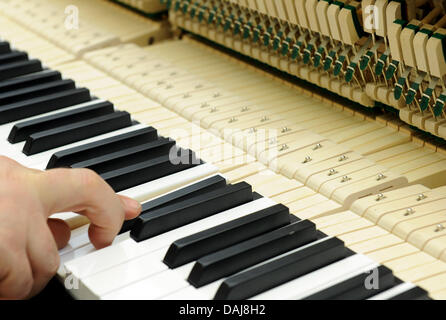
[29, 80]
[21, 131]
[36, 91]
[13, 56]
[131, 176]
[184, 212]
[128, 156]
[4, 47]
[19, 68]
[66, 158]
[234, 259]
[207, 185]
[28, 108]
[281, 270]
[57, 137]
[416, 293]
[355, 288]
[191, 248]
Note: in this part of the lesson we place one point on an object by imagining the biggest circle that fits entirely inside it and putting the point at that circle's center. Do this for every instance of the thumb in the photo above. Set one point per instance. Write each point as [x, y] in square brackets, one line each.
[131, 207]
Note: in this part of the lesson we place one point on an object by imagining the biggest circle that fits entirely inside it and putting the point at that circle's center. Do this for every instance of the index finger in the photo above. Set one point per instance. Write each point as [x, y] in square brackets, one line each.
[84, 192]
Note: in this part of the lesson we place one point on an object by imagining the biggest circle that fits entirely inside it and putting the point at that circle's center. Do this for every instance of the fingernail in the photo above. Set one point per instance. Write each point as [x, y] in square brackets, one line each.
[132, 205]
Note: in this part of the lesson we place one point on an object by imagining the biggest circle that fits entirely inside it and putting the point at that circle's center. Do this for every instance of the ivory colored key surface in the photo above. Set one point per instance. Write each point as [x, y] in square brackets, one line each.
[432, 228]
[107, 258]
[362, 206]
[377, 211]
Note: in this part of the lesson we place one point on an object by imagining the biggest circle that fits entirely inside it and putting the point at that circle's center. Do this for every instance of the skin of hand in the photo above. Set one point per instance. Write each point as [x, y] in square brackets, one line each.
[29, 239]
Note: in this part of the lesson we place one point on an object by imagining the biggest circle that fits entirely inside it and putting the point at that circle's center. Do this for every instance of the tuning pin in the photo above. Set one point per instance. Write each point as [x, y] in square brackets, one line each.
[332, 172]
[342, 158]
[380, 177]
[232, 120]
[439, 227]
[409, 212]
[264, 118]
[421, 196]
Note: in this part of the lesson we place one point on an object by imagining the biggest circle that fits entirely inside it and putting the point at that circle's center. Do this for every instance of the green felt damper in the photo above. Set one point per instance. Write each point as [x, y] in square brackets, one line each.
[338, 65]
[318, 57]
[365, 59]
[391, 69]
[286, 46]
[424, 103]
[439, 105]
[329, 60]
[350, 72]
[410, 96]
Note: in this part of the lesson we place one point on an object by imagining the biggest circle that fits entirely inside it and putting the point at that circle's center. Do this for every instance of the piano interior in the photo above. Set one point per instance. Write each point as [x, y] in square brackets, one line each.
[314, 132]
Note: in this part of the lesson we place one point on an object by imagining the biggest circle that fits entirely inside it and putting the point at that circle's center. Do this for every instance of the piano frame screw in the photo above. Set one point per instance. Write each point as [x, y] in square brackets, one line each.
[409, 211]
[380, 197]
[283, 147]
[264, 118]
[421, 196]
[232, 120]
[345, 179]
[318, 146]
[332, 172]
[213, 109]
[380, 177]
[342, 158]
[439, 227]
[285, 129]
[307, 159]
[244, 109]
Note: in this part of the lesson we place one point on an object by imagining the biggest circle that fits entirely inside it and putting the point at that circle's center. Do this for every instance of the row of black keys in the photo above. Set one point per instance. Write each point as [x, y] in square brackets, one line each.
[228, 249]
[124, 161]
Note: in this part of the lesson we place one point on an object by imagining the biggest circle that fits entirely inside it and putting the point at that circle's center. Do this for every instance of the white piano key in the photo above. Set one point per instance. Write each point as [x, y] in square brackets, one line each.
[397, 290]
[149, 289]
[178, 180]
[156, 287]
[317, 280]
[189, 293]
[127, 250]
[145, 192]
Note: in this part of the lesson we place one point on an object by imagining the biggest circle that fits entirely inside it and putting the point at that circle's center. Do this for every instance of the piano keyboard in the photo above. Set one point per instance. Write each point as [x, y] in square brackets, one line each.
[230, 213]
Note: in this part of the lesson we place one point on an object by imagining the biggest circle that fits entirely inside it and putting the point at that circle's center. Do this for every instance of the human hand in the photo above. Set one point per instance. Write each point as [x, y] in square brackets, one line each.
[29, 239]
